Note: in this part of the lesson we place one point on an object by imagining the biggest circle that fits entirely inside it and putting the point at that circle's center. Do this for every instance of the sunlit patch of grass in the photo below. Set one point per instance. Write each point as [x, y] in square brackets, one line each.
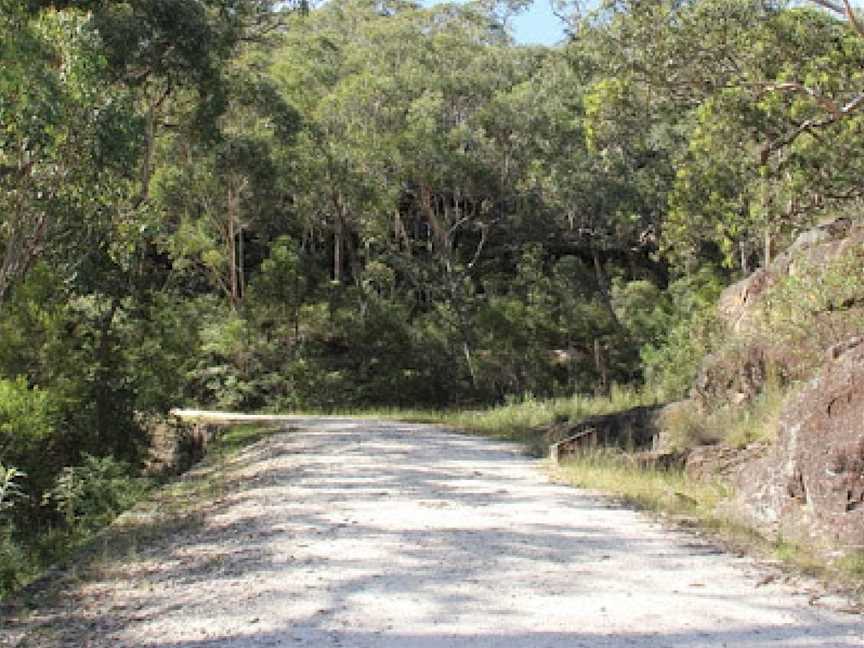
[800, 557]
[523, 420]
[852, 564]
[658, 490]
[234, 438]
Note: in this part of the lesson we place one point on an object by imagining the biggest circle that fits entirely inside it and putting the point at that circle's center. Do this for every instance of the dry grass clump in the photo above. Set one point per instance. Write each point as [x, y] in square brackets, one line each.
[653, 489]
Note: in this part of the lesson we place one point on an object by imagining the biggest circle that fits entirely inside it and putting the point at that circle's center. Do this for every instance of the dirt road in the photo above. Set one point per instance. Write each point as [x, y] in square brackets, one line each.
[367, 534]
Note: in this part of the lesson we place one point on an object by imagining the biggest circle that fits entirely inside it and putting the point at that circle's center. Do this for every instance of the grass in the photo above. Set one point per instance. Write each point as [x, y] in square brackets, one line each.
[657, 490]
[852, 565]
[738, 426]
[523, 420]
[236, 437]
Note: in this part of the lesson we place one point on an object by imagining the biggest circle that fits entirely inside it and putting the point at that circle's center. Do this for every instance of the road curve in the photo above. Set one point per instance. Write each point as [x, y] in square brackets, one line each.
[354, 534]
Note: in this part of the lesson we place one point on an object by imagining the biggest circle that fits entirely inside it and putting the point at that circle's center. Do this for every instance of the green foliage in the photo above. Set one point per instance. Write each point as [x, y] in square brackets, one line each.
[394, 205]
[13, 557]
[10, 490]
[815, 307]
[92, 494]
[684, 330]
[28, 423]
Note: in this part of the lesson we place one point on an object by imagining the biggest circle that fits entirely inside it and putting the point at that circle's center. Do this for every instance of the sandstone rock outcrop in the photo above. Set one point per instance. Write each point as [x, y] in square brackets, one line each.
[736, 374]
[810, 485]
[722, 462]
[738, 306]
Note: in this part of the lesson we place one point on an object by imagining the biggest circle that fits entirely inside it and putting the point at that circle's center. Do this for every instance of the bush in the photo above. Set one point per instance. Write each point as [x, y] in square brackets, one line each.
[27, 426]
[12, 557]
[89, 496]
[10, 490]
[691, 331]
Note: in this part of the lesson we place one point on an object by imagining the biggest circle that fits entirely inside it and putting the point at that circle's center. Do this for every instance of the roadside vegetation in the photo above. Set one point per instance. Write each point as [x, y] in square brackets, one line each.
[526, 420]
[94, 495]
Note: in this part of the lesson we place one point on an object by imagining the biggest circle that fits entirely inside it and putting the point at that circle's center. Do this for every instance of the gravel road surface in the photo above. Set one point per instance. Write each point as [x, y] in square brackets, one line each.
[354, 534]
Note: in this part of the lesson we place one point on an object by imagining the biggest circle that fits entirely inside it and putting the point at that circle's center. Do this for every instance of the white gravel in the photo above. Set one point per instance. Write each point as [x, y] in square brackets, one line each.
[368, 534]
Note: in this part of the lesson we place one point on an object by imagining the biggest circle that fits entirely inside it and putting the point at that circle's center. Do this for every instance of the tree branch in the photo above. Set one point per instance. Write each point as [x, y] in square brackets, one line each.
[844, 9]
[794, 86]
[811, 125]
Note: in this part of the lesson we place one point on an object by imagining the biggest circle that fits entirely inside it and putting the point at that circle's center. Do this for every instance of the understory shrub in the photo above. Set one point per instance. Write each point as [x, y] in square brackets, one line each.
[814, 308]
[92, 494]
[675, 328]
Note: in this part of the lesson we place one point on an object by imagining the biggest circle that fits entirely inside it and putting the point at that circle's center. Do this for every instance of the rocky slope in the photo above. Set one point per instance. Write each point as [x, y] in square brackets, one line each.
[810, 485]
[800, 322]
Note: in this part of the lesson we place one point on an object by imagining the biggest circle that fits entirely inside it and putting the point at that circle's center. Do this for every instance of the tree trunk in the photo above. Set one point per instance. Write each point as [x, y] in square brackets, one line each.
[602, 388]
[233, 286]
[605, 294]
[337, 250]
[241, 265]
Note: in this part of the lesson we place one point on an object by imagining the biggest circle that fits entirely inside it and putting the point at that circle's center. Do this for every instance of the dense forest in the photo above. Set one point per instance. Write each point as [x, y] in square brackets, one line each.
[249, 205]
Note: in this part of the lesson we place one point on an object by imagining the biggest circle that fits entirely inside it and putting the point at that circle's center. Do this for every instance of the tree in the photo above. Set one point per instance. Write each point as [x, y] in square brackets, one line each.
[727, 81]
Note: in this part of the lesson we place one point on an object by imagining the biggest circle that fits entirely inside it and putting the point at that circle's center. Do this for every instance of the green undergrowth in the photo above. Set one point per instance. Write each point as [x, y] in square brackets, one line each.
[109, 514]
[685, 427]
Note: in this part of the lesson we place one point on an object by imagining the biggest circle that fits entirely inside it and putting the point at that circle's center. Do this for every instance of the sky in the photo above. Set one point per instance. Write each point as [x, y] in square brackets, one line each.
[538, 25]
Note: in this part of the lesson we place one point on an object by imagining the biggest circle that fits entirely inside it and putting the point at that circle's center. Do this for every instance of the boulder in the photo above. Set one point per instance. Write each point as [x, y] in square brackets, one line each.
[809, 486]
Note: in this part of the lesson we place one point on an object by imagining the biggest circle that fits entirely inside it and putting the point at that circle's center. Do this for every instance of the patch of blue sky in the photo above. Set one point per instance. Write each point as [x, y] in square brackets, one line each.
[538, 25]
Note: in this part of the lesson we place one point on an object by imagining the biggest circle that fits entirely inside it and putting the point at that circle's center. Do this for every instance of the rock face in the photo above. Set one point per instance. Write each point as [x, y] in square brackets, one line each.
[810, 485]
[722, 462]
[817, 247]
[737, 374]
